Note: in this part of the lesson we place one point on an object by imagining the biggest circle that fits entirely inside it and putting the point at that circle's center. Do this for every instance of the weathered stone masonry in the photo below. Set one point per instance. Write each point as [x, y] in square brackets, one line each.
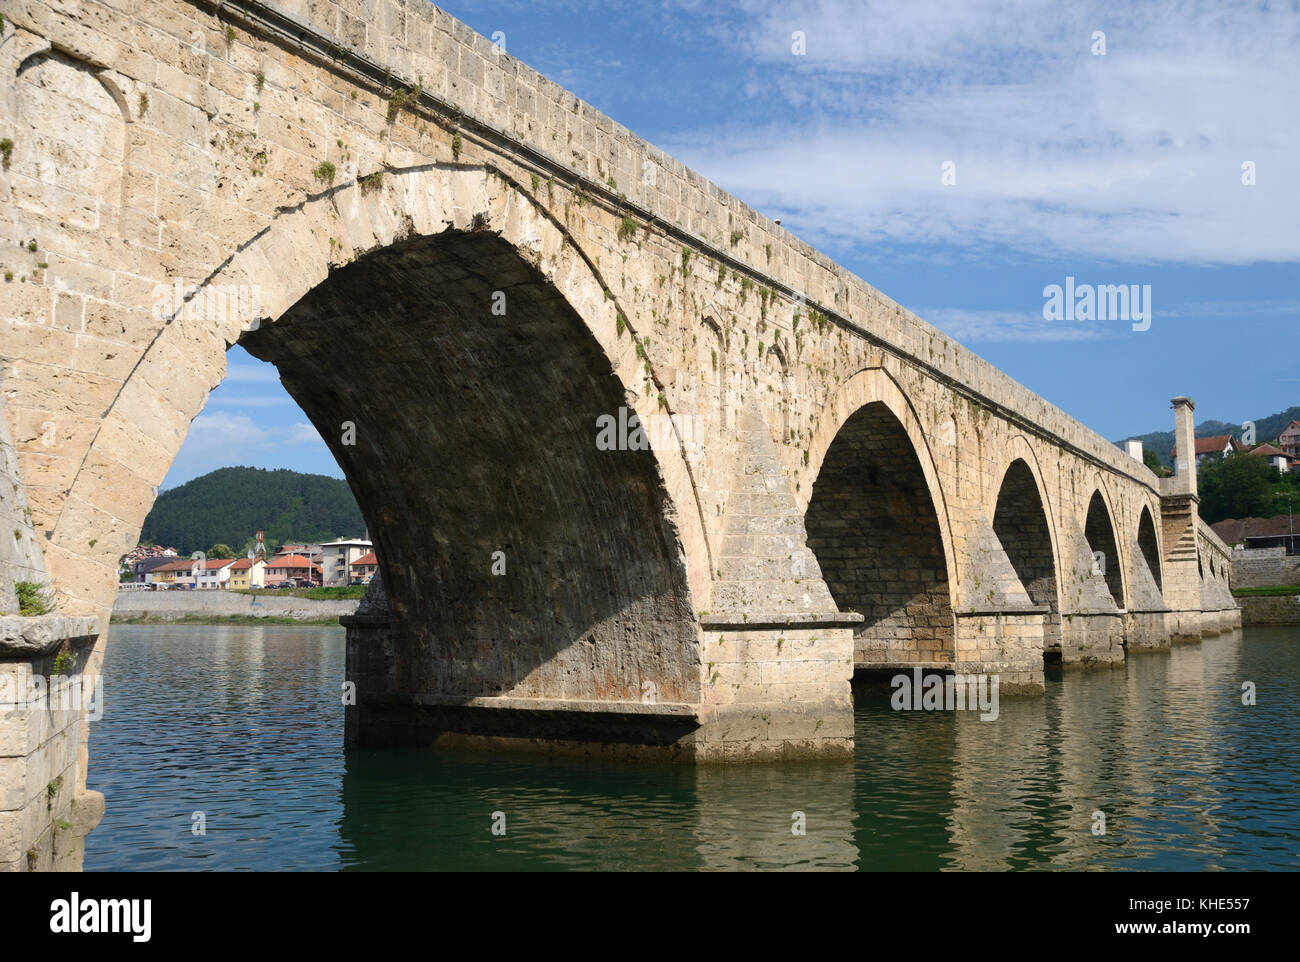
[376, 174]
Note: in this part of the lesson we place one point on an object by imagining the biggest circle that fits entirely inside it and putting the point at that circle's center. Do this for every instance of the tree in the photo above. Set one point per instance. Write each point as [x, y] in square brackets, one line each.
[1238, 486]
[229, 504]
[221, 552]
[1152, 461]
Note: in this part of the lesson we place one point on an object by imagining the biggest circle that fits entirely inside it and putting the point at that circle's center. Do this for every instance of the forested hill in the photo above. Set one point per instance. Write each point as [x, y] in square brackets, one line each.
[1266, 429]
[229, 505]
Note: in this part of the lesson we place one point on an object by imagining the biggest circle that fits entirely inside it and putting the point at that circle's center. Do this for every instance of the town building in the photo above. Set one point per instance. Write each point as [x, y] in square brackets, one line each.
[1278, 531]
[1289, 440]
[246, 573]
[212, 573]
[1215, 447]
[309, 551]
[142, 570]
[290, 568]
[1276, 457]
[364, 568]
[178, 573]
[338, 558]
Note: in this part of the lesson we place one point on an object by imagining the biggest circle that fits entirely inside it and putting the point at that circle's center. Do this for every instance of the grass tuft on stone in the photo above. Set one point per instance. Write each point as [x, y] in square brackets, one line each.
[33, 599]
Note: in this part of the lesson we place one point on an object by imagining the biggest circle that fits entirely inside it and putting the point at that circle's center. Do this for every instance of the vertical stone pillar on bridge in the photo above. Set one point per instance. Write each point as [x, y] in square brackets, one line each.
[1000, 630]
[1092, 623]
[777, 651]
[45, 810]
[1179, 522]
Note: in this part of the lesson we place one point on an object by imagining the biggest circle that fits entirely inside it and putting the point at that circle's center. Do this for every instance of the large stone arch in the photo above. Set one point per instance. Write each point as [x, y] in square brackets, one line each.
[879, 531]
[425, 221]
[147, 421]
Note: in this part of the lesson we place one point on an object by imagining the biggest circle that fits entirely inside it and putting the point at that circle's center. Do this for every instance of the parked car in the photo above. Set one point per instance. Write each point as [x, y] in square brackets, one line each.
[355, 583]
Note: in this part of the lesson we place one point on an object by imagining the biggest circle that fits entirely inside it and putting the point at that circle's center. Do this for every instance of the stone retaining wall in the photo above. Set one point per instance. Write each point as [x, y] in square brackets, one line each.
[175, 605]
[1264, 567]
[1277, 610]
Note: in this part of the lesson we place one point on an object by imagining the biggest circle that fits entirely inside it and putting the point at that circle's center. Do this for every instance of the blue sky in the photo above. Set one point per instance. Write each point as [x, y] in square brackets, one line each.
[1122, 168]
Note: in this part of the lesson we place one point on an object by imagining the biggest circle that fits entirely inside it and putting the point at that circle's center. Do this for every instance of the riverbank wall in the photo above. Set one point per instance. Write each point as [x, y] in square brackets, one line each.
[220, 606]
[1270, 610]
[1264, 567]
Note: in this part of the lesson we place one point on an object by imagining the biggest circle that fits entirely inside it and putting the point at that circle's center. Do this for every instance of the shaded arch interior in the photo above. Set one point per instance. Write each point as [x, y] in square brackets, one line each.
[475, 432]
[1021, 525]
[1148, 545]
[872, 524]
[1099, 530]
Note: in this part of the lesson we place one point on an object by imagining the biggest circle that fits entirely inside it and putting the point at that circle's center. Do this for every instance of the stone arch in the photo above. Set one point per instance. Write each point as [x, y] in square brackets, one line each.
[1099, 531]
[876, 528]
[433, 223]
[1022, 522]
[868, 386]
[1148, 543]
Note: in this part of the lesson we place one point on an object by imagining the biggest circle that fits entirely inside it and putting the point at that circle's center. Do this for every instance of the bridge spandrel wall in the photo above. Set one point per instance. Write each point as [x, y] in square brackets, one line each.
[224, 133]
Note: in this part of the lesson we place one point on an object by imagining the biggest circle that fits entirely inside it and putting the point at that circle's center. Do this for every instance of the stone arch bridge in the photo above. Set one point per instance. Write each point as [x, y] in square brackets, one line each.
[461, 271]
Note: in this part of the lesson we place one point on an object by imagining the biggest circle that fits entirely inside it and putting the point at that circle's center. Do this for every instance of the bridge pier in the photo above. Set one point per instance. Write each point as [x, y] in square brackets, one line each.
[1093, 638]
[1008, 642]
[774, 688]
[1146, 630]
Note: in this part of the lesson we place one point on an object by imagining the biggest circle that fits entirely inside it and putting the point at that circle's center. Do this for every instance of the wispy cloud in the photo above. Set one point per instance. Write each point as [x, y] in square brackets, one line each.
[975, 326]
[226, 399]
[220, 438]
[1136, 155]
[250, 373]
[1234, 309]
[301, 433]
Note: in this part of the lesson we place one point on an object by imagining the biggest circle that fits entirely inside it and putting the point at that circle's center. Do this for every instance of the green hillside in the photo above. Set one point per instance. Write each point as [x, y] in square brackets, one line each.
[1266, 429]
[229, 505]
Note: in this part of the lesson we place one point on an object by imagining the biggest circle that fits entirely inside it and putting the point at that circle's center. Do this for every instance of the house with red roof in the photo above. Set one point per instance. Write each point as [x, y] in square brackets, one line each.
[365, 567]
[199, 573]
[1216, 447]
[247, 573]
[290, 568]
[1276, 456]
[1289, 440]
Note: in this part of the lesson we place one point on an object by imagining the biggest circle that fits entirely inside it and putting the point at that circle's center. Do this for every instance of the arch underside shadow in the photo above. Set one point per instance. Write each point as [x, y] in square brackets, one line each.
[872, 524]
[1149, 547]
[1021, 525]
[474, 432]
[1099, 530]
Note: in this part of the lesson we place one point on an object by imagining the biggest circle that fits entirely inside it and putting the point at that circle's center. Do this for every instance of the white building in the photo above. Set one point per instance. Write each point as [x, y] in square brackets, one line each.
[213, 573]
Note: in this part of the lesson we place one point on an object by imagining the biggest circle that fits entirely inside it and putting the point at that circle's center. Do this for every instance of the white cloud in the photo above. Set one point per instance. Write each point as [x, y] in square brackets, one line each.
[225, 399]
[259, 373]
[1134, 156]
[301, 433]
[972, 326]
[217, 430]
[219, 438]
